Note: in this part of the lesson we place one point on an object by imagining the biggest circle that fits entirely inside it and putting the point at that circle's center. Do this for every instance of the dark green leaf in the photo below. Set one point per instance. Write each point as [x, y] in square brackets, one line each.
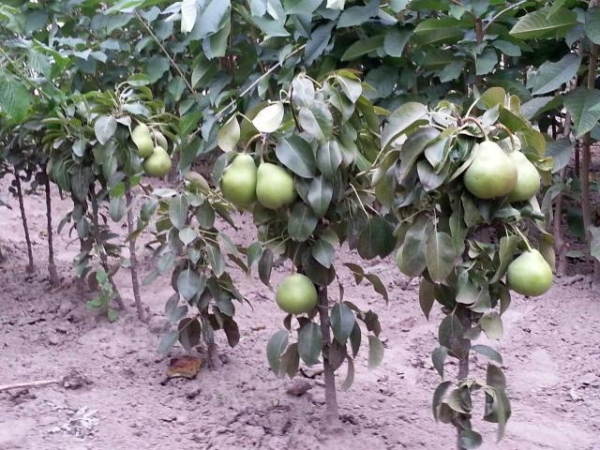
[355, 339]
[377, 239]
[265, 266]
[469, 439]
[320, 193]
[438, 357]
[440, 256]
[189, 333]
[275, 348]
[310, 343]
[551, 76]
[347, 383]
[375, 351]
[489, 352]
[363, 47]
[491, 324]
[290, 361]
[297, 155]
[438, 396]
[342, 322]
[178, 209]
[189, 283]
[301, 223]
[426, 296]
[323, 252]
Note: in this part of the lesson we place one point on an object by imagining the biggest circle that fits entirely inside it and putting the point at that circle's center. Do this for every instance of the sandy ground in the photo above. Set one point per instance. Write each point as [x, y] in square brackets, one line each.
[551, 352]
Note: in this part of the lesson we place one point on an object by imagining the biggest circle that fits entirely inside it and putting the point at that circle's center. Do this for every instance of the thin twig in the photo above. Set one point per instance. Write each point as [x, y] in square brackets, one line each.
[133, 258]
[31, 265]
[167, 54]
[28, 384]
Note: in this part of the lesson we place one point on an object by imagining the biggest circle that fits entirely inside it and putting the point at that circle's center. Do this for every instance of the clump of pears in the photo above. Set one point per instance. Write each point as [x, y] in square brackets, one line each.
[494, 174]
[243, 184]
[152, 146]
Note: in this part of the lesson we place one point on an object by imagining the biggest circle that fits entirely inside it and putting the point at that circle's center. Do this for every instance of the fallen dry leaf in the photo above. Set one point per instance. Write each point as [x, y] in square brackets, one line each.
[185, 367]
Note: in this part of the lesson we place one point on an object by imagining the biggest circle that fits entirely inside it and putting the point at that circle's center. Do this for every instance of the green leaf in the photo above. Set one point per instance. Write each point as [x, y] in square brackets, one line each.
[15, 98]
[349, 380]
[403, 118]
[351, 88]
[439, 256]
[320, 193]
[255, 252]
[412, 260]
[297, 155]
[215, 259]
[413, 147]
[275, 348]
[329, 158]
[469, 439]
[189, 284]
[265, 266]
[508, 247]
[582, 104]
[316, 120]
[167, 342]
[395, 41]
[489, 352]
[450, 334]
[438, 396]
[378, 285]
[323, 252]
[104, 128]
[486, 62]
[375, 351]
[269, 119]
[290, 361]
[310, 343]
[363, 47]
[178, 209]
[229, 135]
[495, 377]
[551, 76]
[355, 339]
[426, 296]
[592, 24]
[189, 333]
[189, 13]
[301, 223]
[437, 31]
[537, 24]
[342, 322]
[438, 356]
[377, 239]
[301, 6]
[117, 208]
[491, 324]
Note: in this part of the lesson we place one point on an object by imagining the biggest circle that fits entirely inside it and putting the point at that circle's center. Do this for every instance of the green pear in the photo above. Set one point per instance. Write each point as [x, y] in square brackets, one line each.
[529, 274]
[492, 173]
[275, 186]
[142, 139]
[238, 184]
[158, 164]
[528, 179]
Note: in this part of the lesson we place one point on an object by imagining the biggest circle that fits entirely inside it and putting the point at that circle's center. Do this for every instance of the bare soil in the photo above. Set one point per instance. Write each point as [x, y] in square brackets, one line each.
[551, 352]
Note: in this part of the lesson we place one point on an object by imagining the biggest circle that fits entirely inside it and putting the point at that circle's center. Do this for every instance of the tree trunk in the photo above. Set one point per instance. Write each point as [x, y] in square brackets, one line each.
[330, 390]
[464, 315]
[102, 255]
[31, 265]
[54, 278]
[133, 259]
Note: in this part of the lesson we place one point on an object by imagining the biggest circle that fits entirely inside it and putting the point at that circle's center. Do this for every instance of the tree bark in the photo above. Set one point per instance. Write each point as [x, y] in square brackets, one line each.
[54, 278]
[31, 265]
[133, 259]
[330, 390]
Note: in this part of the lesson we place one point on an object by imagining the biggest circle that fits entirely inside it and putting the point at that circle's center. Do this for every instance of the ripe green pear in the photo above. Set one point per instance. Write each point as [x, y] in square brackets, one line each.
[529, 274]
[275, 186]
[142, 139]
[158, 164]
[528, 179]
[238, 184]
[492, 173]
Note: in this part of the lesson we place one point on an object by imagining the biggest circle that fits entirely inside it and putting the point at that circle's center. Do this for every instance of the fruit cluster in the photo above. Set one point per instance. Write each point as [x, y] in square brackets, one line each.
[494, 174]
[152, 147]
